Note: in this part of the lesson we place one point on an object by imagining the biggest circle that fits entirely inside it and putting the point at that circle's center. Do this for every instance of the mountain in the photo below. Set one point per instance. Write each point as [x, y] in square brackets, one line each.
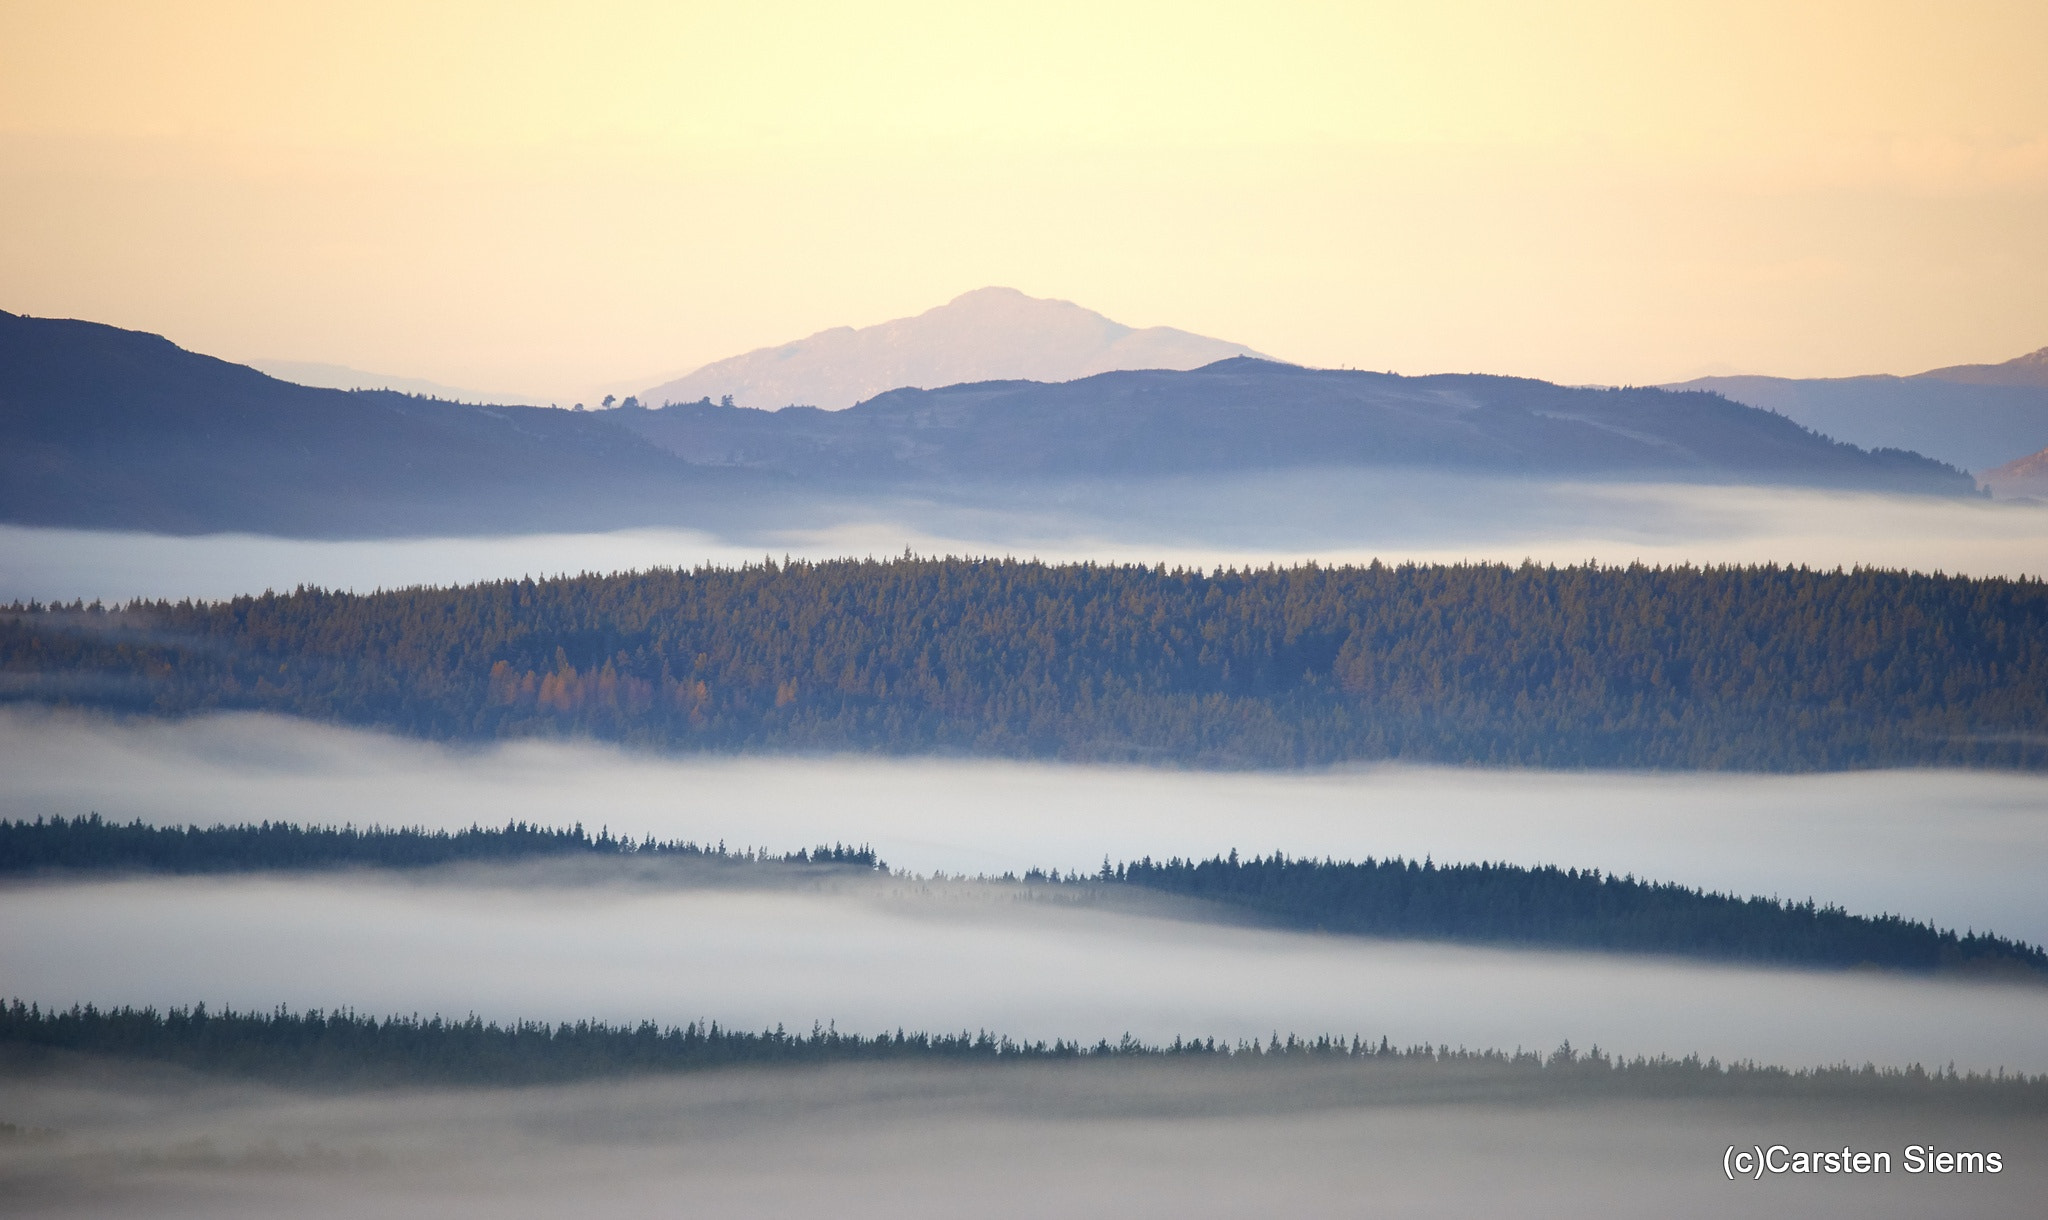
[989, 334]
[2028, 370]
[2025, 478]
[119, 429]
[1246, 414]
[1975, 416]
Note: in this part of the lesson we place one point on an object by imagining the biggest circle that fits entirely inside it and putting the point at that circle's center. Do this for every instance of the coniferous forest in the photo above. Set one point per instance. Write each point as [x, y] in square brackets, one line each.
[1741, 667]
[1499, 904]
[352, 1049]
[93, 844]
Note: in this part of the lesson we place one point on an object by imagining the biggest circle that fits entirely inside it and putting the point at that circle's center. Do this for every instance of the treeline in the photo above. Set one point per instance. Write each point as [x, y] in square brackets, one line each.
[1483, 903]
[349, 1048]
[93, 844]
[1510, 904]
[319, 1045]
[1750, 667]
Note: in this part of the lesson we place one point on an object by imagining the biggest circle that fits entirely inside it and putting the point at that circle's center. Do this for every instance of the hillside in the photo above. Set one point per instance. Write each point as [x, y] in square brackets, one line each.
[1482, 903]
[116, 428]
[1973, 416]
[2026, 478]
[1245, 414]
[2028, 370]
[108, 428]
[1736, 668]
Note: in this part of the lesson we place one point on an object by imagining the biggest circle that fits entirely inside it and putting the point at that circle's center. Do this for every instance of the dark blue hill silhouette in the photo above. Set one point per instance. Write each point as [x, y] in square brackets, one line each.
[116, 428]
[1247, 414]
[109, 428]
[1968, 416]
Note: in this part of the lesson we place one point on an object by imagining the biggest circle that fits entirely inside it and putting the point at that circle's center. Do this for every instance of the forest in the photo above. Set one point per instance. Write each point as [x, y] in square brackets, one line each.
[1473, 903]
[93, 844]
[1756, 668]
[1580, 908]
[347, 1048]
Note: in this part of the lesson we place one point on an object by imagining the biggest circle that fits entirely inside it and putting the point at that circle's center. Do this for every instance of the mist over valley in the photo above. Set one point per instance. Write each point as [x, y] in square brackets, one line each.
[1961, 848]
[1328, 516]
[1128, 611]
[878, 957]
[1085, 1139]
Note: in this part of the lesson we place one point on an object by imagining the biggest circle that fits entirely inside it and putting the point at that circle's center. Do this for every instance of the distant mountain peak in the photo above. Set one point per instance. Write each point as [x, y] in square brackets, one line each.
[999, 295]
[2028, 370]
[987, 334]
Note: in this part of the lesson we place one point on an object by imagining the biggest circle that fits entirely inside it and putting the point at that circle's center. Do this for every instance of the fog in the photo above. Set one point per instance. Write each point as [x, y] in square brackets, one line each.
[881, 955]
[1080, 1140]
[1959, 848]
[1327, 516]
[1964, 849]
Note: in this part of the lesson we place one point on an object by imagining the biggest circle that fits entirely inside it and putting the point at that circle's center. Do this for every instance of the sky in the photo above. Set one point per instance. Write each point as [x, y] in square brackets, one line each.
[558, 199]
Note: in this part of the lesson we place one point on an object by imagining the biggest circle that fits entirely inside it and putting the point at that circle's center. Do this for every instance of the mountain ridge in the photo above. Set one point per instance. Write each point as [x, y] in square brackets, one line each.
[2028, 370]
[988, 334]
[114, 429]
[1972, 416]
[1245, 413]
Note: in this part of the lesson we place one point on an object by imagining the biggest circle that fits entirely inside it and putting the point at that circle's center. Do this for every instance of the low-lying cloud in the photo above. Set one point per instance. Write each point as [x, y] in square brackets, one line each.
[1963, 849]
[1283, 517]
[1083, 1140]
[888, 954]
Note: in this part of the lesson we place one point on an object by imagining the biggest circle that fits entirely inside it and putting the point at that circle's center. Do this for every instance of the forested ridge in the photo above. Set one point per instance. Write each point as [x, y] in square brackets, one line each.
[1579, 908]
[93, 844]
[1738, 667]
[349, 1048]
[1487, 903]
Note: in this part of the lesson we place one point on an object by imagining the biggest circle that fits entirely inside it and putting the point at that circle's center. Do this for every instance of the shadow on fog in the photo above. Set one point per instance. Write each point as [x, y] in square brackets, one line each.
[1960, 849]
[1083, 1140]
[1289, 517]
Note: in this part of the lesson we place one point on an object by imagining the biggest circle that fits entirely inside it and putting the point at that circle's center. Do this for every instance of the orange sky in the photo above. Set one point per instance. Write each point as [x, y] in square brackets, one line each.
[554, 198]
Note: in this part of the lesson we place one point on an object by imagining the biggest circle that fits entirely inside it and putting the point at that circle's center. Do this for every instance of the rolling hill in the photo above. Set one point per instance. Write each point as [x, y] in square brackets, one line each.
[1975, 416]
[1246, 414]
[115, 429]
[110, 428]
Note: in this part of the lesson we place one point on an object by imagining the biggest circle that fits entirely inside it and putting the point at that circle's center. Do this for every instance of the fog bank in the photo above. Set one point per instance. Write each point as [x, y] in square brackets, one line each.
[1287, 517]
[1082, 1140]
[884, 955]
[1963, 849]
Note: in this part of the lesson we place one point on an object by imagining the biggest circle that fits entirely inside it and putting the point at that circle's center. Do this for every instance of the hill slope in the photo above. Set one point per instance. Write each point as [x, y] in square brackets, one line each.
[985, 335]
[107, 427]
[2028, 370]
[1245, 414]
[1736, 668]
[101, 427]
[1975, 416]
[2025, 478]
